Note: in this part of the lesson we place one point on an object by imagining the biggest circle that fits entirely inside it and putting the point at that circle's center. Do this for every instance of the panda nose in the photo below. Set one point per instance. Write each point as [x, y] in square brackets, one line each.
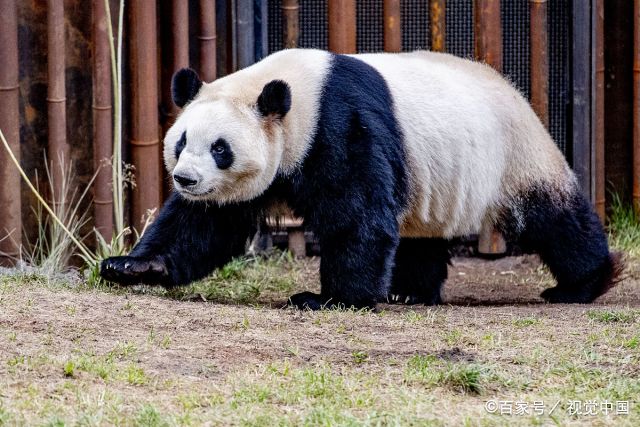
[185, 181]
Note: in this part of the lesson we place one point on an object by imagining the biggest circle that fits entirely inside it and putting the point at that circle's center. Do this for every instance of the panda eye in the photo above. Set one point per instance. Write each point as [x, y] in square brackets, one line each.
[218, 148]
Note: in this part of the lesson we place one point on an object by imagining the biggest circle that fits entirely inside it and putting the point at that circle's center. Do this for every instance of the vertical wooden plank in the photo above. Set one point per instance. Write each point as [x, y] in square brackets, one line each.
[145, 146]
[600, 178]
[58, 148]
[539, 59]
[342, 26]
[207, 40]
[10, 209]
[437, 15]
[176, 55]
[636, 106]
[392, 26]
[488, 48]
[261, 22]
[581, 58]
[290, 12]
[102, 122]
[488, 32]
[245, 33]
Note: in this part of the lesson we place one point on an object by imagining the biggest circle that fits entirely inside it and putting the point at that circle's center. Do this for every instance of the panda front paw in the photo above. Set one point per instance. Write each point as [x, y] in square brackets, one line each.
[128, 270]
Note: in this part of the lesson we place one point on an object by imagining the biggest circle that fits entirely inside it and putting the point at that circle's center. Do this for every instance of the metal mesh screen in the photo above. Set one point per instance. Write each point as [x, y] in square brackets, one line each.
[459, 40]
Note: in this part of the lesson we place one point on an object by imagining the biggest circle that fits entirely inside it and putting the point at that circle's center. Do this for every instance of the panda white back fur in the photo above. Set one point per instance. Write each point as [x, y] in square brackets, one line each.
[368, 149]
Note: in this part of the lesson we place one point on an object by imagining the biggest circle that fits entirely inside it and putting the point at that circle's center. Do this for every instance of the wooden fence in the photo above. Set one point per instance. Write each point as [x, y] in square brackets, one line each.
[152, 57]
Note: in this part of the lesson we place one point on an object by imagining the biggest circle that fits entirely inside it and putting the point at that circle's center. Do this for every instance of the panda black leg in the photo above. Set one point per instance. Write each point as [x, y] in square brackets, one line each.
[571, 241]
[186, 242]
[419, 272]
[355, 271]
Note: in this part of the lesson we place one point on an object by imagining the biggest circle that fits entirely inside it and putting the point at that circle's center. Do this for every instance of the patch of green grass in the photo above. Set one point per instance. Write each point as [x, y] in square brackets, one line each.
[245, 280]
[624, 227]
[633, 343]
[135, 375]
[523, 323]
[148, 416]
[612, 316]
[460, 377]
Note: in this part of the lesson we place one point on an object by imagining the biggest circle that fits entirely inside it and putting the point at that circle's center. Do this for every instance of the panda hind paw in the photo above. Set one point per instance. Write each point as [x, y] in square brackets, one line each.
[412, 299]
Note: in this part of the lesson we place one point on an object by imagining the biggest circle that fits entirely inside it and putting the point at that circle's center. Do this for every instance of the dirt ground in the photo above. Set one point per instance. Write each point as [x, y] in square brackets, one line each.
[102, 356]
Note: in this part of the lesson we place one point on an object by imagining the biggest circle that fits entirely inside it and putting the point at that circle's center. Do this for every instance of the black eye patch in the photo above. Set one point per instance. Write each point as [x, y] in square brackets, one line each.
[222, 154]
[180, 144]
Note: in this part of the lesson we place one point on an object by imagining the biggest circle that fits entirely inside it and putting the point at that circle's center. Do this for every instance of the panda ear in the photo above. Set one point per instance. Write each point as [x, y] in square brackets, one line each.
[275, 99]
[185, 86]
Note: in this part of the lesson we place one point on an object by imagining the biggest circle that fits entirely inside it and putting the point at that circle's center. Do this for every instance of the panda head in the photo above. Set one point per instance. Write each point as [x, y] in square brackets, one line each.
[223, 149]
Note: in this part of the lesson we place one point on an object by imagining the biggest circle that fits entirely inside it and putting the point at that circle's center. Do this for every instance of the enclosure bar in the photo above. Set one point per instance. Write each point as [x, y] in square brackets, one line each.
[207, 37]
[102, 122]
[58, 149]
[539, 59]
[488, 32]
[636, 106]
[488, 48]
[177, 55]
[392, 26]
[245, 33]
[10, 208]
[342, 26]
[437, 15]
[290, 13]
[600, 179]
[145, 147]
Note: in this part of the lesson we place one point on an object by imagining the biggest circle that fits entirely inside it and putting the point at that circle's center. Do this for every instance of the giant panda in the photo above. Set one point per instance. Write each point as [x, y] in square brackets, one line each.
[386, 157]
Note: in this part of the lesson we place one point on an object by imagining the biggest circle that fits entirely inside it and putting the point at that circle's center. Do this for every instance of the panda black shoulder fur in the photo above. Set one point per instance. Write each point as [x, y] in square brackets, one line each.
[386, 157]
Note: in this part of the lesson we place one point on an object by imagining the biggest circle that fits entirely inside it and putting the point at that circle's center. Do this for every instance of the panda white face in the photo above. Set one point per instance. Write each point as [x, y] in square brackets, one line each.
[218, 151]
[225, 148]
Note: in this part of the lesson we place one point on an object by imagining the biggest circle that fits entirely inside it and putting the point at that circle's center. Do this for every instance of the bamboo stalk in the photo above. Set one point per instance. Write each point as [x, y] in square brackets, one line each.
[488, 48]
[600, 179]
[290, 12]
[10, 208]
[539, 59]
[636, 106]
[102, 121]
[59, 150]
[437, 12]
[145, 145]
[342, 26]
[392, 26]
[207, 39]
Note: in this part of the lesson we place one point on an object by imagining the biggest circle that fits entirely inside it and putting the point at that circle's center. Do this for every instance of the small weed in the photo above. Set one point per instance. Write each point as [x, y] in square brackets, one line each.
[69, 368]
[359, 357]
[633, 343]
[148, 416]
[523, 323]
[71, 310]
[413, 317]
[166, 342]
[135, 375]
[453, 337]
